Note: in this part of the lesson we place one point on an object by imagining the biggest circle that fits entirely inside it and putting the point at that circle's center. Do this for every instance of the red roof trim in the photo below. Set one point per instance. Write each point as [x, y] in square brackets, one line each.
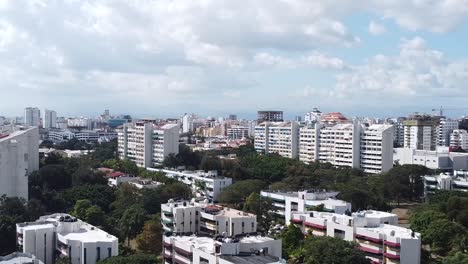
[392, 244]
[391, 256]
[373, 239]
[315, 225]
[370, 250]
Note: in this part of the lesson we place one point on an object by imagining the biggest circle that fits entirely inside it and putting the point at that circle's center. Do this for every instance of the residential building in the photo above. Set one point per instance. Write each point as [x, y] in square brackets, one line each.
[20, 258]
[32, 116]
[377, 148]
[237, 132]
[439, 159]
[278, 137]
[444, 130]
[376, 232]
[269, 116]
[49, 120]
[421, 132]
[59, 136]
[187, 123]
[459, 138]
[253, 249]
[61, 235]
[19, 156]
[334, 118]
[456, 181]
[309, 140]
[284, 203]
[80, 123]
[204, 184]
[339, 145]
[313, 116]
[190, 217]
[147, 144]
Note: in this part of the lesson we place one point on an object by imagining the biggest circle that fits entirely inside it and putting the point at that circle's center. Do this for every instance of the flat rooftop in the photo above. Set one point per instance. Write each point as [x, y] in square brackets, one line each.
[205, 244]
[388, 230]
[252, 259]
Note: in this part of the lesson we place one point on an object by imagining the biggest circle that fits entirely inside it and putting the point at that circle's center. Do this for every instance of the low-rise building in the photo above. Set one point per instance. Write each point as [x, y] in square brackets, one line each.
[20, 258]
[439, 159]
[204, 184]
[376, 232]
[458, 181]
[190, 217]
[286, 203]
[459, 138]
[61, 235]
[252, 249]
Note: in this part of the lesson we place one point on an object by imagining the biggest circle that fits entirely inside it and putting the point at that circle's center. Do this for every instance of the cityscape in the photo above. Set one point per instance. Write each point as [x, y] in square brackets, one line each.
[233, 132]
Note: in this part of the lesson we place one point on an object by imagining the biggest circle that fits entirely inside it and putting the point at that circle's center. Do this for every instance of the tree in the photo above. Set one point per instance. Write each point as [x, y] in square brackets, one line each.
[95, 216]
[100, 195]
[209, 163]
[330, 250]
[444, 236]
[261, 207]
[129, 167]
[405, 182]
[171, 161]
[85, 175]
[134, 259]
[292, 240]
[149, 241]
[458, 258]
[238, 192]
[12, 211]
[54, 177]
[80, 208]
[126, 196]
[132, 222]
[421, 219]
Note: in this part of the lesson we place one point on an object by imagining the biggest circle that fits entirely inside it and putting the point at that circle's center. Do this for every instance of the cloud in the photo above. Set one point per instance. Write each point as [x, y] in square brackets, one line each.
[417, 71]
[376, 28]
[324, 61]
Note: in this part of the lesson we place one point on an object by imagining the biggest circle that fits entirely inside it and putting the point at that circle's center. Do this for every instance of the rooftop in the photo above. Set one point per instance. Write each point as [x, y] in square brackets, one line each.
[18, 257]
[252, 259]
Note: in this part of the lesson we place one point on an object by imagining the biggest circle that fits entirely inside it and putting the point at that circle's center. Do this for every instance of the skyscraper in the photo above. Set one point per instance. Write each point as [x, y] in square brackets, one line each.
[32, 116]
[49, 119]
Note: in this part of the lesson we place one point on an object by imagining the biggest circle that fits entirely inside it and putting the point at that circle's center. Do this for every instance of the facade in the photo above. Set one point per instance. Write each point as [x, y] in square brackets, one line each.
[309, 138]
[458, 181]
[237, 132]
[190, 217]
[377, 148]
[459, 138]
[49, 120]
[278, 137]
[439, 159]
[339, 145]
[59, 136]
[286, 203]
[187, 123]
[313, 116]
[376, 232]
[444, 130]
[147, 144]
[61, 235]
[32, 116]
[269, 116]
[19, 156]
[421, 132]
[221, 250]
[20, 258]
[204, 184]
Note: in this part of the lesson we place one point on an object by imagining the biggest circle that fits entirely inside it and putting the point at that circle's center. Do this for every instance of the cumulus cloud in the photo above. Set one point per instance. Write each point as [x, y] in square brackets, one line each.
[376, 28]
[416, 71]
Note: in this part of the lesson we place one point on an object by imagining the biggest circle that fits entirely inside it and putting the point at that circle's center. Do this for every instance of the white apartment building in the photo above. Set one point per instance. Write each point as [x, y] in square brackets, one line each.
[20, 258]
[222, 250]
[204, 184]
[313, 116]
[286, 203]
[377, 148]
[187, 123]
[19, 156]
[421, 132]
[237, 132]
[339, 145]
[309, 138]
[147, 144]
[190, 217]
[32, 116]
[80, 123]
[439, 159]
[444, 130]
[278, 137]
[59, 136]
[458, 181]
[376, 232]
[49, 120]
[459, 138]
[61, 235]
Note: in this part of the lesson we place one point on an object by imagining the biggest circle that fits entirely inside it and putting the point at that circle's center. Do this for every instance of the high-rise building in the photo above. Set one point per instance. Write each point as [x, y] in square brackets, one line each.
[19, 156]
[278, 137]
[32, 116]
[147, 144]
[459, 138]
[49, 120]
[377, 148]
[339, 145]
[313, 116]
[270, 116]
[61, 235]
[187, 123]
[421, 132]
[445, 128]
[237, 132]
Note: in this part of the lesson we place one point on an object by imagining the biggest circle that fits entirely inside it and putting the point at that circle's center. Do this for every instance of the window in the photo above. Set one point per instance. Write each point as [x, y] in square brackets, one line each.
[98, 253]
[84, 257]
[109, 252]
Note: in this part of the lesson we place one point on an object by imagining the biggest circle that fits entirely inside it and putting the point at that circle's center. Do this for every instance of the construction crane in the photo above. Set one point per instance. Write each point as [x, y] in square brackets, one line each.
[442, 109]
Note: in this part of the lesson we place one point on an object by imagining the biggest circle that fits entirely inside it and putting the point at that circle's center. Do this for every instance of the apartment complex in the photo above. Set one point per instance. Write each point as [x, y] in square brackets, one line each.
[444, 130]
[439, 159]
[338, 142]
[376, 232]
[49, 120]
[32, 116]
[237, 132]
[20, 258]
[286, 203]
[459, 138]
[253, 249]
[456, 181]
[61, 235]
[269, 116]
[204, 184]
[19, 156]
[421, 132]
[147, 144]
[190, 217]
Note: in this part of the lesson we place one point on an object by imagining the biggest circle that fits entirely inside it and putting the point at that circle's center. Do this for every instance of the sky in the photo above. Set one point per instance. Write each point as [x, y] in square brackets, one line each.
[163, 58]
